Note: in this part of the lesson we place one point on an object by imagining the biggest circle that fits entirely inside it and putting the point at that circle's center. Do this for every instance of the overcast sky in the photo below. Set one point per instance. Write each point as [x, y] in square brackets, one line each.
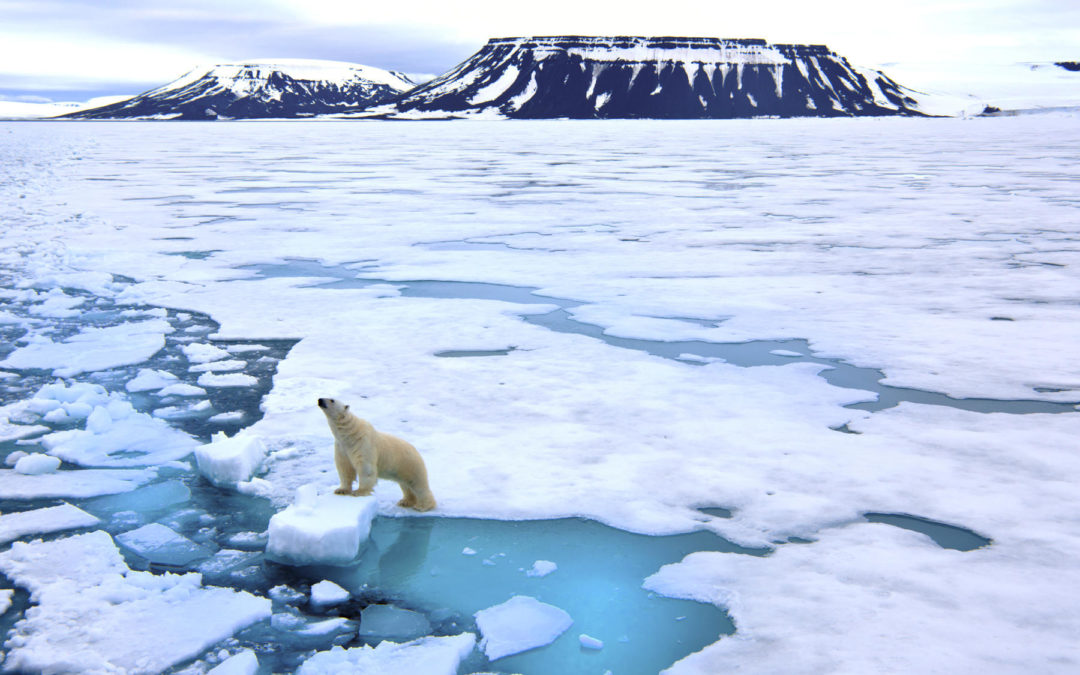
[76, 49]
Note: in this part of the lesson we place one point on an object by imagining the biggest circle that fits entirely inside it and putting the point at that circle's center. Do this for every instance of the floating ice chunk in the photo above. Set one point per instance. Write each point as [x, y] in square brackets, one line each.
[118, 435]
[325, 529]
[56, 416]
[149, 380]
[5, 599]
[181, 389]
[387, 621]
[13, 458]
[468, 551]
[226, 561]
[230, 364]
[240, 349]
[519, 624]
[784, 352]
[42, 521]
[542, 568]
[71, 484]
[175, 412]
[227, 380]
[243, 663]
[430, 656]
[335, 625]
[111, 619]
[589, 642]
[228, 417]
[285, 594]
[160, 544]
[93, 349]
[226, 462]
[248, 539]
[326, 592]
[13, 432]
[202, 353]
[37, 464]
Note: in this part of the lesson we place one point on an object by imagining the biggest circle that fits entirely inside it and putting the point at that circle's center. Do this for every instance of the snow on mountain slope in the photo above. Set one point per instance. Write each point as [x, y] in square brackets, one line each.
[659, 77]
[260, 89]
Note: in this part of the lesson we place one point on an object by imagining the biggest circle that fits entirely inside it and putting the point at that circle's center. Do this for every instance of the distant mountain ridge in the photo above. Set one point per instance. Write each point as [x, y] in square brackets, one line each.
[260, 89]
[653, 77]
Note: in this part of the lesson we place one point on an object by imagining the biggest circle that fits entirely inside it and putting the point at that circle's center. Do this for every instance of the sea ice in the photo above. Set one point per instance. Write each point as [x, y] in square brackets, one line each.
[589, 642]
[149, 380]
[203, 353]
[241, 663]
[541, 568]
[519, 624]
[113, 619]
[36, 464]
[72, 484]
[228, 461]
[92, 349]
[43, 521]
[326, 529]
[394, 623]
[5, 599]
[181, 389]
[160, 544]
[227, 380]
[326, 592]
[429, 655]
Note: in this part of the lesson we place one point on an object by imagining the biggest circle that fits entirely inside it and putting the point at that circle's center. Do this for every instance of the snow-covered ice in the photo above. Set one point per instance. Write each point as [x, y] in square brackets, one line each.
[429, 655]
[158, 543]
[327, 528]
[113, 619]
[228, 461]
[72, 484]
[519, 624]
[241, 663]
[43, 521]
[326, 592]
[37, 463]
[541, 568]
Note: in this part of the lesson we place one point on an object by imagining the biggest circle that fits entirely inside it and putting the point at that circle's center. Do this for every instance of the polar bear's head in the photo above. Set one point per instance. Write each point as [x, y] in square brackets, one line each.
[332, 407]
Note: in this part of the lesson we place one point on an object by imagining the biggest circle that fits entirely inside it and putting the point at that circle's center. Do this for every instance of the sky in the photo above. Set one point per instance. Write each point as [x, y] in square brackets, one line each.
[78, 49]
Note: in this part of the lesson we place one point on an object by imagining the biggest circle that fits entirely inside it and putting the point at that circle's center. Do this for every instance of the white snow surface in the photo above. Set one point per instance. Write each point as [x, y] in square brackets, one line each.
[92, 349]
[43, 521]
[228, 461]
[429, 655]
[519, 624]
[325, 529]
[113, 619]
[326, 592]
[241, 663]
[943, 252]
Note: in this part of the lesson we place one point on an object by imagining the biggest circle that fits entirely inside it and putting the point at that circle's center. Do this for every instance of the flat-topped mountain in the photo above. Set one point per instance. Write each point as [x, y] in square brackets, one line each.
[281, 88]
[653, 77]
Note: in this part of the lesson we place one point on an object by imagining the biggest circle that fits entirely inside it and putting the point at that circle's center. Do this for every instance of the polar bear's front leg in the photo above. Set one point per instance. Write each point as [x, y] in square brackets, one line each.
[345, 470]
[367, 477]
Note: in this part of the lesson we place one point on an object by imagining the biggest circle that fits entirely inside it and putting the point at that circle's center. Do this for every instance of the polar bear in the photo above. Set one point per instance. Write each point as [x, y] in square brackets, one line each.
[361, 452]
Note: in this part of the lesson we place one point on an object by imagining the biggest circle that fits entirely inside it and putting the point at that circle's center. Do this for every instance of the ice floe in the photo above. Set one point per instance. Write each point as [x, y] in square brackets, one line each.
[43, 521]
[519, 624]
[114, 619]
[429, 655]
[326, 529]
[225, 462]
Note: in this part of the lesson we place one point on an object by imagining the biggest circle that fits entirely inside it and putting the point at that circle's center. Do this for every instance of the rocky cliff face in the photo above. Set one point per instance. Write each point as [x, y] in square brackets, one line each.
[638, 77]
[287, 88]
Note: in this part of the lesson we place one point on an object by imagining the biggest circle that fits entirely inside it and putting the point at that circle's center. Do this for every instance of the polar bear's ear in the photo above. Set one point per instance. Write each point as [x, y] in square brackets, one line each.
[346, 407]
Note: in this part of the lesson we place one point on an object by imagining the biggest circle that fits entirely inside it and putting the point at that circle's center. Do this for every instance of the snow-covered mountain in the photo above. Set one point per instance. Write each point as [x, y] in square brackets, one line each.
[657, 77]
[279, 88]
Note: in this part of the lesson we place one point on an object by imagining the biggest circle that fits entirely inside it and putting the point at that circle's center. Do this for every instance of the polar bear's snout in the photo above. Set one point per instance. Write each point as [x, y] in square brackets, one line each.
[323, 402]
